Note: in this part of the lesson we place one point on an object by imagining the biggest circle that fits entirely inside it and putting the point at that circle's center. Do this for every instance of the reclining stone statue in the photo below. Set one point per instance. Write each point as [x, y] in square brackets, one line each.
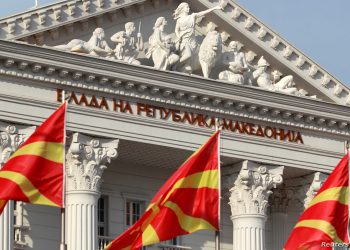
[97, 45]
[284, 85]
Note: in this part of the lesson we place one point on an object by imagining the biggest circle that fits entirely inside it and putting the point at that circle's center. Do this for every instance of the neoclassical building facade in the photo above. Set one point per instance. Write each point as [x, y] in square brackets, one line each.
[147, 82]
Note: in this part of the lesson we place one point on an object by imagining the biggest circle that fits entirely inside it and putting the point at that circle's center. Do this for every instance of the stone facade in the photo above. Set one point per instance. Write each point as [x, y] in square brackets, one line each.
[149, 81]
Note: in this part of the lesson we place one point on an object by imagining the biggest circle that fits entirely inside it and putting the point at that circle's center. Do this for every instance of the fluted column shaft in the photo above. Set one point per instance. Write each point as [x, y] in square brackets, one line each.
[249, 232]
[85, 165]
[6, 227]
[81, 212]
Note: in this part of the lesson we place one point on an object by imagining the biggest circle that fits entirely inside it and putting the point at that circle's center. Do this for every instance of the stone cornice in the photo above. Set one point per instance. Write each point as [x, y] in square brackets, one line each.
[283, 51]
[58, 14]
[141, 82]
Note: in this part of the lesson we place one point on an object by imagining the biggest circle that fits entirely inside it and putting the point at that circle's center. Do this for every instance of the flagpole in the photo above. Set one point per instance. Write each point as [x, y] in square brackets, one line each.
[348, 152]
[217, 233]
[63, 212]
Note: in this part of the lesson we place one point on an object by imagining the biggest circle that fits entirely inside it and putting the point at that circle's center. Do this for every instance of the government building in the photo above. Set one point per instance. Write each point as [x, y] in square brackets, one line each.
[148, 81]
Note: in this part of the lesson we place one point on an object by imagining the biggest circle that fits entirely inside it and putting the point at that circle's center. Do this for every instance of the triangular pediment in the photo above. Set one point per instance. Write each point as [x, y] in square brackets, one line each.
[59, 23]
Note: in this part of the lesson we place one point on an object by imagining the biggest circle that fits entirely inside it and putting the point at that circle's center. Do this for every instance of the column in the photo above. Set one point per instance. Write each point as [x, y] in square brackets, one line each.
[249, 200]
[279, 202]
[85, 159]
[11, 137]
[288, 202]
[317, 181]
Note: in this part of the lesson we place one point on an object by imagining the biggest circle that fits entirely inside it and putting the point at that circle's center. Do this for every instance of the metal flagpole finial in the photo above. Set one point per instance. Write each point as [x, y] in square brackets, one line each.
[65, 96]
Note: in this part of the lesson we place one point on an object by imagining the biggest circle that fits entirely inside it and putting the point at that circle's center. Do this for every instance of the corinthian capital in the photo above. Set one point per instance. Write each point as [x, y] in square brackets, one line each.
[252, 188]
[303, 189]
[281, 198]
[11, 137]
[86, 158]
[317, 182]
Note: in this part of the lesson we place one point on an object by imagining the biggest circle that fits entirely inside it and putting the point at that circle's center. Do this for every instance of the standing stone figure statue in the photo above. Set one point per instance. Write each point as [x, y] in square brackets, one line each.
[185, 32]
[263, 79]
[97, 45]
[237, 65]
[127, 46]
[161, 49]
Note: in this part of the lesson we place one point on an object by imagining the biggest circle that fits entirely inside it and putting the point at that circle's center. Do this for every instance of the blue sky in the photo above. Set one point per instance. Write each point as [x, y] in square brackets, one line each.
[318, 28]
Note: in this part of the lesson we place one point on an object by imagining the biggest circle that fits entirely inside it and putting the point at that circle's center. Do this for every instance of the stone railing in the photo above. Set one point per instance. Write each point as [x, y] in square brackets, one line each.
[103, 241]
[172, 247]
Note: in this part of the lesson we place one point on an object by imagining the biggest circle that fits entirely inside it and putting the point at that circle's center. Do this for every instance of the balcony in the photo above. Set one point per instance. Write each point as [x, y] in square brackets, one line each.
[103, 241]
[172, 247]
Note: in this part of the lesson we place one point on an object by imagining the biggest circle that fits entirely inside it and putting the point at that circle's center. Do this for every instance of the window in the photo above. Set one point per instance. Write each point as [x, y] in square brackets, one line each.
[174, 241]
[133, 211]
[102, 216]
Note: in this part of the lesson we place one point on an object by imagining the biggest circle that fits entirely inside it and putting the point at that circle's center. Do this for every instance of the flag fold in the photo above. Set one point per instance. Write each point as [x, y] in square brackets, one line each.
[324, 223]
[186, 203]
[34, 173]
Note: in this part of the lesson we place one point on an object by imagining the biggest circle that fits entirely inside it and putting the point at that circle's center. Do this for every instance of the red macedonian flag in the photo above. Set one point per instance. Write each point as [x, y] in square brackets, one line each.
[186, 203]
[34, 173]
[325, 220]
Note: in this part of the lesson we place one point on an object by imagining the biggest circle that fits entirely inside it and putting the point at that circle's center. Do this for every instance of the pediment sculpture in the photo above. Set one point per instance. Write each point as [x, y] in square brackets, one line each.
[186, 43]
[161, 49]
[237, 64]
[97, 45]
[274, 82]
[182, 51]
[127, 45]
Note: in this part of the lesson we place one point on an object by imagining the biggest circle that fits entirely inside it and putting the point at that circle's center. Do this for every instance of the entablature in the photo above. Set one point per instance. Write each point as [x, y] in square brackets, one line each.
[64, 71]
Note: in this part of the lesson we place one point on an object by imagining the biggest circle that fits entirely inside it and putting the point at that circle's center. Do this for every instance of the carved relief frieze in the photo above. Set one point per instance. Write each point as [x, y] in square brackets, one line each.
[85, 162]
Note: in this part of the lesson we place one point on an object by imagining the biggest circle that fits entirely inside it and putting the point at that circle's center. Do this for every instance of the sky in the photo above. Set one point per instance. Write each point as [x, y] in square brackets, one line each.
[318, 28]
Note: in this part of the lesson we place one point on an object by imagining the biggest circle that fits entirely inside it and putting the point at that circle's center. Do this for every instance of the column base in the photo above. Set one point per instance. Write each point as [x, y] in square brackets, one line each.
[249, 232]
